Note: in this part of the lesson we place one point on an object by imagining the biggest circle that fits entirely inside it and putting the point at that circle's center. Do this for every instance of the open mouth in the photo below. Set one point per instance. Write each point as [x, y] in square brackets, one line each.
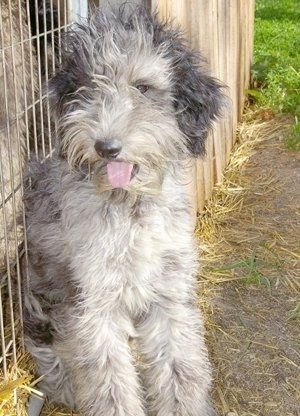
[120, 174]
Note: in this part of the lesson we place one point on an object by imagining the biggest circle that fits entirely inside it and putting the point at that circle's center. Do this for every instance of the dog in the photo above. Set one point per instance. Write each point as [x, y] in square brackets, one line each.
[111, 255]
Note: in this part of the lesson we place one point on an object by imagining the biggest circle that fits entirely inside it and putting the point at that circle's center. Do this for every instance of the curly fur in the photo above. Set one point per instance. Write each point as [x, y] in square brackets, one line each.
[107, 264]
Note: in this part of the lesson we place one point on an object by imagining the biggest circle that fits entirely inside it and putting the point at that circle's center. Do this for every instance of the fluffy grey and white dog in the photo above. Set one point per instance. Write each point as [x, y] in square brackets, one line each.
[111, 255]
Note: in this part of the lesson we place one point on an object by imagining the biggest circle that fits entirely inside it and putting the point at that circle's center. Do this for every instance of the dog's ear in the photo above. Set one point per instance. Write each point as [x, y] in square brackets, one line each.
[64, 87]
[60, 90]
[74, 76]
[199, 99]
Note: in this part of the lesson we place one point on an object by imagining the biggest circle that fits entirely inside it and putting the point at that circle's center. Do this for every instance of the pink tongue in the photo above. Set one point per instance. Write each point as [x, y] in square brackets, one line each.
[119, 174]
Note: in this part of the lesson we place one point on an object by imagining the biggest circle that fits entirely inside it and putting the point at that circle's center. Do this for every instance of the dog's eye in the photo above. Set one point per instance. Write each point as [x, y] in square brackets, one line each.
[142, 88]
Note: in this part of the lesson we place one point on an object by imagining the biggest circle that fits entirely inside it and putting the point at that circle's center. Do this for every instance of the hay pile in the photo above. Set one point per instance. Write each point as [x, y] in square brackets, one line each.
[16, 386]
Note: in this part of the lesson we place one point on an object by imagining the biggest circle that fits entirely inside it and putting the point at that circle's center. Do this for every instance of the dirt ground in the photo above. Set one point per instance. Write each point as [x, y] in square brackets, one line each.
[252, 268]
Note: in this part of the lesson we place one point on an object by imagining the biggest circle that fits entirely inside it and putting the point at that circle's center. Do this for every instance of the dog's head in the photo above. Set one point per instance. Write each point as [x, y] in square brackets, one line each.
[131, 98]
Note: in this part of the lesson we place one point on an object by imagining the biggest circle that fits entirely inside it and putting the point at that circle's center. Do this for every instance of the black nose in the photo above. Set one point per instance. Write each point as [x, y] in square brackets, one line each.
[108, 148]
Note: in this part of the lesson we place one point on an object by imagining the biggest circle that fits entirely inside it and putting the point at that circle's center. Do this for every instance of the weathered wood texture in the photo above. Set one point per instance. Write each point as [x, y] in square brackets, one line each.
[223, 31]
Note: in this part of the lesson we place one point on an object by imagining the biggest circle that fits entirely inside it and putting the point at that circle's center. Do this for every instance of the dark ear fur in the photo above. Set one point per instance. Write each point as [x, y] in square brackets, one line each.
[75, 73]
[198, 97]
[61, 88]
[199, 102]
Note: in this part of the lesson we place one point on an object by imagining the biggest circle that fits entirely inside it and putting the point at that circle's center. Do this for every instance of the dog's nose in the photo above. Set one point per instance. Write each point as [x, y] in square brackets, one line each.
[108, 148]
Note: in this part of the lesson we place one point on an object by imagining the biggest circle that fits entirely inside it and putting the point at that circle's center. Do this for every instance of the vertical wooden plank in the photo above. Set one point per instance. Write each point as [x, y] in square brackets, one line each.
[175, 10]
[246, 20]
[242, 24]
[232, 63]
[208, 165]
[199, 181]
[205, 14]
[249, 41]
[220, 134]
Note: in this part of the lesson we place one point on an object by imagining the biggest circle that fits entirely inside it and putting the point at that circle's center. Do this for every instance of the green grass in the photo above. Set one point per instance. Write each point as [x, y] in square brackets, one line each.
[276, 68]
[293, 140]
[255, 267]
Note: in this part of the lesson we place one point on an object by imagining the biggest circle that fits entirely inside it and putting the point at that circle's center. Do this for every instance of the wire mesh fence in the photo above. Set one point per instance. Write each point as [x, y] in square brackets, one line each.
[30, 37]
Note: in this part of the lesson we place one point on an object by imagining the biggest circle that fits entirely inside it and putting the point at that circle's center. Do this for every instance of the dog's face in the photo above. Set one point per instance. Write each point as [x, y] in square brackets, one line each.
[131, 99]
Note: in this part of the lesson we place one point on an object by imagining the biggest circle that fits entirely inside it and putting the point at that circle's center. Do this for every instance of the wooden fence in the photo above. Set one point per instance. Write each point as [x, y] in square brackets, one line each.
[223, 31]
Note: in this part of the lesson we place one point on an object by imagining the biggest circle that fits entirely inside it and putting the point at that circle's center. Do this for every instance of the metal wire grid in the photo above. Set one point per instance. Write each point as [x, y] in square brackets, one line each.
[30, 38]
[12, 40]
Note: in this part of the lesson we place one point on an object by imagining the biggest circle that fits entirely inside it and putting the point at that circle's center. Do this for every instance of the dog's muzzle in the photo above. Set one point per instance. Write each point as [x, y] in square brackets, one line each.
[108, 149]
[119, 173]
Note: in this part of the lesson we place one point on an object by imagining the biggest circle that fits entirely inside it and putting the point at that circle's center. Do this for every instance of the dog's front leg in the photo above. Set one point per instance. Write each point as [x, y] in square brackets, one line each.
[177, 374]
[105, 378]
